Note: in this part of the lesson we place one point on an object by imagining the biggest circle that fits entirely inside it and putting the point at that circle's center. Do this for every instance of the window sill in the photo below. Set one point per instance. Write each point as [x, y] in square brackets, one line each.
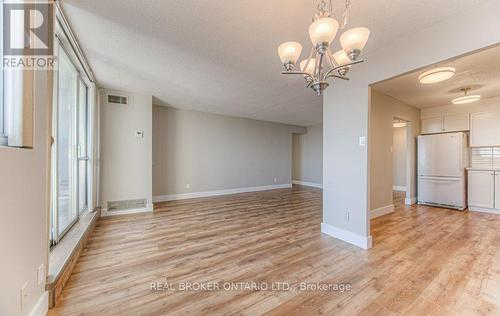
[64, 255]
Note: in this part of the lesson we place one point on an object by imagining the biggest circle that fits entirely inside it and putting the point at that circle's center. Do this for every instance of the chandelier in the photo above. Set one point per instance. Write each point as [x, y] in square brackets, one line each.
[322, 64]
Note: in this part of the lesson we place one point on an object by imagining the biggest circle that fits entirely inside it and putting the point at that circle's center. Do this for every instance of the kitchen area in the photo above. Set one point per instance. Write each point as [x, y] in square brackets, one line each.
[451, 114]
[464, 145]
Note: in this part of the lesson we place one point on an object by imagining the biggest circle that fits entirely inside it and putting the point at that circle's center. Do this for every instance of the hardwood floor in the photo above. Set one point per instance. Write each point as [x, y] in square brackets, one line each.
[425, 261]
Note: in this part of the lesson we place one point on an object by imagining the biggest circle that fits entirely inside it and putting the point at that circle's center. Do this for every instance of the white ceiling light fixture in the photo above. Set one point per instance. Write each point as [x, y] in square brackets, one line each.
[322, 32]
[466, 98]
[436, 75]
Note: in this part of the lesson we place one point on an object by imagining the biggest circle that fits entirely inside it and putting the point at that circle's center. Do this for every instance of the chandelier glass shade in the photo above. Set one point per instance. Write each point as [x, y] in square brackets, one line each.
[322, 64]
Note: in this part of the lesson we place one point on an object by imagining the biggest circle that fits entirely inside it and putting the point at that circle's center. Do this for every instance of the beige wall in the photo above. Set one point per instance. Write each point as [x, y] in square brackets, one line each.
[214, 152]
[307, 159]
[383, 111]
[125, 159]
[24, 210]
[399, 157]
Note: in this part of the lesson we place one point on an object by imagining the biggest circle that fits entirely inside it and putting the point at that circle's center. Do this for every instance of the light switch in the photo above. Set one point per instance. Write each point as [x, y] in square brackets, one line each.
[362, 141]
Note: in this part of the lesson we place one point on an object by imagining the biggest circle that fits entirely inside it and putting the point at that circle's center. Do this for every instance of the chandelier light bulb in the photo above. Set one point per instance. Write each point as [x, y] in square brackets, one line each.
[341, 58]
[310, 67]
[354, 40]
[323, 30]
[289, 52]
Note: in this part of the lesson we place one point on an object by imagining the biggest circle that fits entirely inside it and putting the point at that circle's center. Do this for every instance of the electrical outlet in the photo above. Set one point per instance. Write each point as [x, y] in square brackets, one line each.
[24, 295]
[275, 180]
[188, 186]
[41, 275]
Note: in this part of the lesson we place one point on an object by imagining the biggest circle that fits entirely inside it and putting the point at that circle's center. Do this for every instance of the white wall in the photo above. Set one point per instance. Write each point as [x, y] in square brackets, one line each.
[307, 158]
[399, 158]
[383, 111]
[125, 159]
[346, 111]
[215, 152]
[24, 211]
[482, 105]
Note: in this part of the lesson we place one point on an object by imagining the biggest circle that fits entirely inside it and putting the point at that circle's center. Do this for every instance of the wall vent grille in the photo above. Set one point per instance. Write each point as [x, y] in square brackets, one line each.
[117, 99]
[114, 206]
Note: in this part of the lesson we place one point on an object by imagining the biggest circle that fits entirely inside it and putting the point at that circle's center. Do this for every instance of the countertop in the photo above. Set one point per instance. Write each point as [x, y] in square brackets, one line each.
[482, 169]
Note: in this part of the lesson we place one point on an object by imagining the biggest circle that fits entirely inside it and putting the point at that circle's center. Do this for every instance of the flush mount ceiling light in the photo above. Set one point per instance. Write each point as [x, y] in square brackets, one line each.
[466, 98]
[436, 75]
[322, 32]
[399, 123]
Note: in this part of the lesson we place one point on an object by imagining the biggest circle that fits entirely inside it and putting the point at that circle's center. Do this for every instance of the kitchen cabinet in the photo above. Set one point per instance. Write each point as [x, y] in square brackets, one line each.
[485, 129]
[432, 125]
[456, 123]
[445, 124]
[481, 189]
[497, 190]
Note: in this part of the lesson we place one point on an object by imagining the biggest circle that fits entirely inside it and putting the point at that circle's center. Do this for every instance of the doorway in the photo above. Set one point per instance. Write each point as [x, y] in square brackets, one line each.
[401, 161]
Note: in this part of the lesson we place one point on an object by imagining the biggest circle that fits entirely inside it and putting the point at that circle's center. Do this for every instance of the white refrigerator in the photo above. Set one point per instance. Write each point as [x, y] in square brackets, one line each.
[442, 159]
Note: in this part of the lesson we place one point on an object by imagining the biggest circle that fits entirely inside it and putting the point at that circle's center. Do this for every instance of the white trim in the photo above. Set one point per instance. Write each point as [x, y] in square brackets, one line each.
[398, 188]
[364, 242]
[382, 211]
[72, 40]
[193, 195]
[484, 210]
[42, 306]
[411, 201]
[147, 209]
[308, 184]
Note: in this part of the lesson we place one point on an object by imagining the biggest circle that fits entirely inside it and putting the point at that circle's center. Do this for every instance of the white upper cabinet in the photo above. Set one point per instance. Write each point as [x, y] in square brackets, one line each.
[446, 124]
[485, 129]
[432, 125]
[456, 123]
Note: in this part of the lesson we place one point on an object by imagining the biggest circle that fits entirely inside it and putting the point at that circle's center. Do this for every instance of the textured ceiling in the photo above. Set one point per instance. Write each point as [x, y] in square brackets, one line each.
[479, 71]
[220, 56]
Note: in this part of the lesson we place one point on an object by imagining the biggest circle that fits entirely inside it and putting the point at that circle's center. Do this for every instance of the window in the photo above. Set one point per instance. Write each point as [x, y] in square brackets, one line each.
[3, 137]
[70, 151]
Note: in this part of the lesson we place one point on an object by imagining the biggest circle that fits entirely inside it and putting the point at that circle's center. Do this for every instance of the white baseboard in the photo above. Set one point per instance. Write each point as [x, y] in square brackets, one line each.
[484, 210]
[411, 201]
[308, 184]
[382, 211]
[398, 188]
[42, 306]
[149, 208]
[193, 195]
[364, 242]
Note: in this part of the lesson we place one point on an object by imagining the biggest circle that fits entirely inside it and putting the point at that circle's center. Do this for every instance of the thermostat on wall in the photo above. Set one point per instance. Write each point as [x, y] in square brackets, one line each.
[139, 134]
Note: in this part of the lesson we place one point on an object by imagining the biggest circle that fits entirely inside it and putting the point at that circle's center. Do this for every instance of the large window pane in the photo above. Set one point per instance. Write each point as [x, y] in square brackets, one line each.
[82, 146]
[66, 132]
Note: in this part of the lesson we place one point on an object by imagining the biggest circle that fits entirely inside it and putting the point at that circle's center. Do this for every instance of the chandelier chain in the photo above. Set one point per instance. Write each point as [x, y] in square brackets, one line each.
[322, 6]
[345, 16]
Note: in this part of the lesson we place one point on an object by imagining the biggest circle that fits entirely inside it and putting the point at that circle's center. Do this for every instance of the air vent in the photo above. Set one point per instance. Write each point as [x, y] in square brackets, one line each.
[114, 206]
[117, 99]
